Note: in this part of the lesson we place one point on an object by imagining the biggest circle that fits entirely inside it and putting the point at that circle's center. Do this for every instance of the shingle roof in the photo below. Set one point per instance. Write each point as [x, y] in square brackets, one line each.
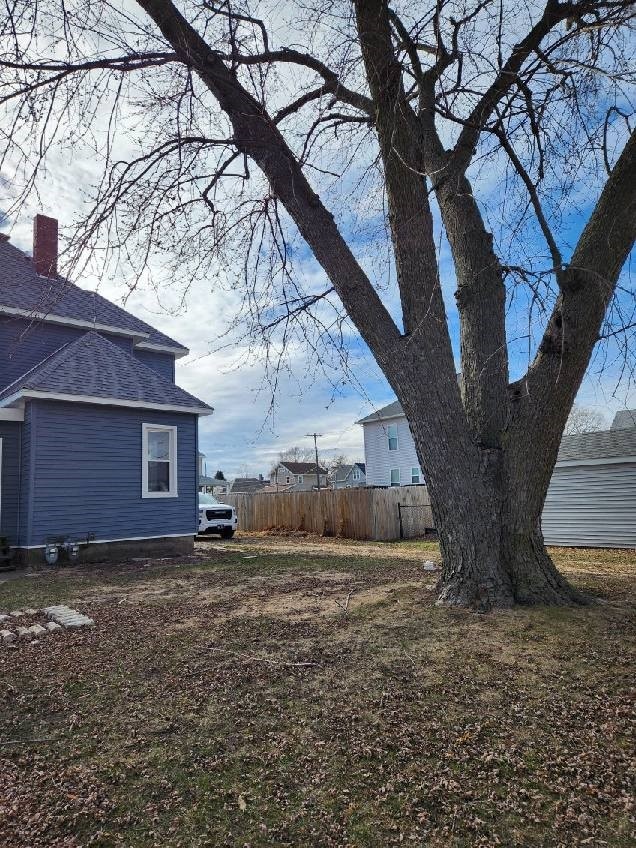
[94, 367]
[624, 418]
[302, 467]
[24, 290]
[391, 410]
[606, 444]
[246, 485]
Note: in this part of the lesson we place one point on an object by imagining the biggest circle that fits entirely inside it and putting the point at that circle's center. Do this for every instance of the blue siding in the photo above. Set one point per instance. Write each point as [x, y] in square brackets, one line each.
[10, 433]
[24, 344]
[162, 363]
[88, 474]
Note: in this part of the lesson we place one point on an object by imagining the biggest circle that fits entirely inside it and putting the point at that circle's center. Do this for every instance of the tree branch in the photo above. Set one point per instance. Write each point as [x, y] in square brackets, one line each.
[257, 136]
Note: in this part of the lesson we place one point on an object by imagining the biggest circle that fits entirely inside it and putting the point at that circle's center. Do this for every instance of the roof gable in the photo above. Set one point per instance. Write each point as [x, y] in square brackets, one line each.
[94, 369]
[23, 292]
[391, 410]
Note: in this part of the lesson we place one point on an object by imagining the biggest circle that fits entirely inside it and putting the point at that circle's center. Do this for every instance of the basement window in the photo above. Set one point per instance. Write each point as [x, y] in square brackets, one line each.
[159, 461]
[395, 476]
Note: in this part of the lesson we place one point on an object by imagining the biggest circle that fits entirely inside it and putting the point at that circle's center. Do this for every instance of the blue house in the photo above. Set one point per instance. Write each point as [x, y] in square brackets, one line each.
[98, 446]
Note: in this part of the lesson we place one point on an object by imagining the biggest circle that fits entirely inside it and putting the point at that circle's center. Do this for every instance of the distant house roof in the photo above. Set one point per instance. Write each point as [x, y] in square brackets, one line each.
[24, 293]
[301, 467]
[94, 370]
[343, 471]
[247, 485]
[624, 419]
[604, 445]
[391, 410]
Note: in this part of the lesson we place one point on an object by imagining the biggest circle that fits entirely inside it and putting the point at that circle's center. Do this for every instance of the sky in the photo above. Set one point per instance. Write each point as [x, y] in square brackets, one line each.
[247, 432]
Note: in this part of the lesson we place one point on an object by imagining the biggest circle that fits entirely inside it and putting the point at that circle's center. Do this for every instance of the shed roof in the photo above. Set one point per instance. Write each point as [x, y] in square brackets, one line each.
[605, 444]
[93, 369]
[24, 292]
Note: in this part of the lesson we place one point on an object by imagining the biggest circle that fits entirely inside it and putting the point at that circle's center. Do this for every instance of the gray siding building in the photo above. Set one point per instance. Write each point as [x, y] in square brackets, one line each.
[591, 501]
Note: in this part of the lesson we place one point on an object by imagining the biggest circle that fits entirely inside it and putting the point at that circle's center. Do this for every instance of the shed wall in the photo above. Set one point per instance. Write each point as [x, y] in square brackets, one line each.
[592, 506]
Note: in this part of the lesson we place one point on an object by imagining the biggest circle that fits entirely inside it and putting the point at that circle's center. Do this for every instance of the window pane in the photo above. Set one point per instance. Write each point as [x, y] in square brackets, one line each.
[415, 475]
[159, 444]
[158, 476]
[395, 476]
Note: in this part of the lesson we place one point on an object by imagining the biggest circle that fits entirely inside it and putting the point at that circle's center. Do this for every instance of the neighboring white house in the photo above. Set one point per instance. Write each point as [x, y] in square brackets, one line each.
[591, 500]
[349, 476]
[389, 450]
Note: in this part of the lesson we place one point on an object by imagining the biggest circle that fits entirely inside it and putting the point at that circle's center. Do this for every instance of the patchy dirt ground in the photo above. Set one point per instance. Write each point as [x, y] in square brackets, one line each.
[303, 692]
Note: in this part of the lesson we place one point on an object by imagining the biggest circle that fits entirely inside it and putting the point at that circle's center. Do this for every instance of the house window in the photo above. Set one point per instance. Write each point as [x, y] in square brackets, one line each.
[288, 479]
[159, 461]
[300, 478]
[395, 476]
[415, 475]
[392, 432]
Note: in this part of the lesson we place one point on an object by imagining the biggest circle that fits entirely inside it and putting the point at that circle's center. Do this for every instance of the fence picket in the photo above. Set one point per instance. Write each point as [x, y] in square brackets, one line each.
[364, 513]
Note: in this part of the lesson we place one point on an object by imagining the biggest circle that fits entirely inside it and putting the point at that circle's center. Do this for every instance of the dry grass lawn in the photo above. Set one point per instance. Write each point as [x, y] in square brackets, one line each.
[293, 691]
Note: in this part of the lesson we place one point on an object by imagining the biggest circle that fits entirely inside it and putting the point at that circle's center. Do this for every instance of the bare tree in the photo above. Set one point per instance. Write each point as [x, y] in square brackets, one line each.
[583, 420]
[484, 129]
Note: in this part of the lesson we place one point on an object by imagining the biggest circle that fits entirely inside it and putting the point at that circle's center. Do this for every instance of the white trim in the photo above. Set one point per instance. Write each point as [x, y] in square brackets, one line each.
[73, 322]
[132, 404]
[109, 541]
[177, 352]
[363, 422]
[173, 491]
[12, 414]
[605, 460]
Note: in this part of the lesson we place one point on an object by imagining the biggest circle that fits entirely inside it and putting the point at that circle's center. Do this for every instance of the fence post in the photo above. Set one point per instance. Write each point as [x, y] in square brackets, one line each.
[400, 517]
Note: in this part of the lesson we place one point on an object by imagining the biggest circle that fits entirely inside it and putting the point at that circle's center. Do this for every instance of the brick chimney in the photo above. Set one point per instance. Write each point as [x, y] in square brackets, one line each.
[45, 245]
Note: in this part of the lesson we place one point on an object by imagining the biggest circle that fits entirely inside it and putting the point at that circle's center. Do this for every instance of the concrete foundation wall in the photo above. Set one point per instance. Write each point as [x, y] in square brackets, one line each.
[110, 551]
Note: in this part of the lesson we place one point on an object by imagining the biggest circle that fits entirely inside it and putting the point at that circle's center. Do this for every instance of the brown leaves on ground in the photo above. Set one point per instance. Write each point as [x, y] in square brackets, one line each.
[316, 698]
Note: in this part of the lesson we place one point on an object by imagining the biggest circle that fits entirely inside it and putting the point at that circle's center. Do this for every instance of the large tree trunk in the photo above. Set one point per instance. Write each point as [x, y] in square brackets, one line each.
[493, 553]
[487, 456]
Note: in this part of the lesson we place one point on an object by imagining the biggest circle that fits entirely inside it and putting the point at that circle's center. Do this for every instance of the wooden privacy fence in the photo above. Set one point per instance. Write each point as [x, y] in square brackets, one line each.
[351, 513]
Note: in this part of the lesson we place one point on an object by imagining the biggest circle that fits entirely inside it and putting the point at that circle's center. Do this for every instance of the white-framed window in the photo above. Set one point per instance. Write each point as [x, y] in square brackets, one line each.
[158, 461]
[356, 474]
[395, 476]
[300, 478]
[415, 474]
[288, 479]
[392, 434]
